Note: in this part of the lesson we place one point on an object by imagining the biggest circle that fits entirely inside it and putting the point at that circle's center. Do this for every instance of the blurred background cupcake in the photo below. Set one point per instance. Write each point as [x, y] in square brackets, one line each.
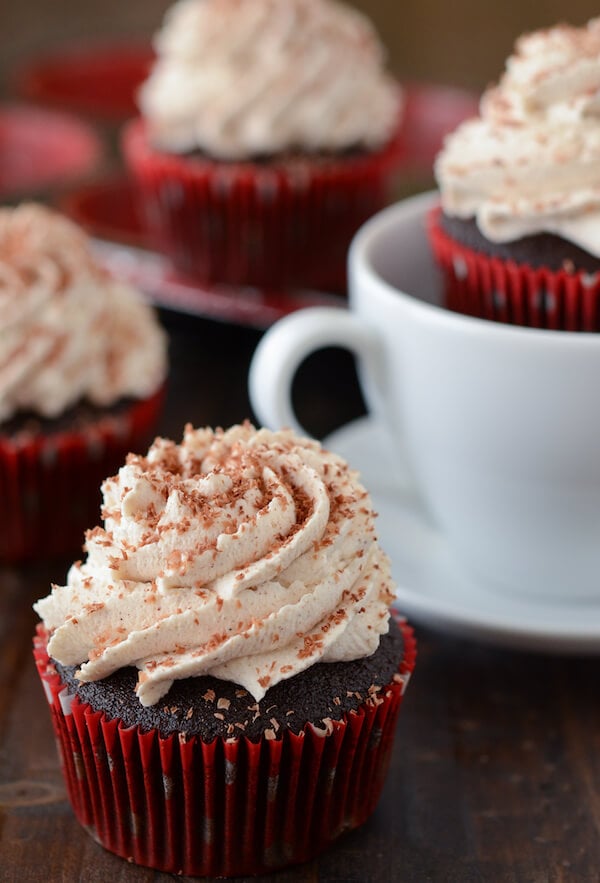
[82, 370]
[518, 232]
[269, 133]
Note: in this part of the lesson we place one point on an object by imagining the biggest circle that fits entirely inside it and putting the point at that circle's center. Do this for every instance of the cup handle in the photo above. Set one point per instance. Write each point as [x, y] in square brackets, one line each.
[285, 346]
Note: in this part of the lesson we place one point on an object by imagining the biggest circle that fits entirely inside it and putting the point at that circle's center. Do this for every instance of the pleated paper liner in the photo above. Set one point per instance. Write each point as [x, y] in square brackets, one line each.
[226, 807]
[492, 288]
[49, 483]
[270, 225]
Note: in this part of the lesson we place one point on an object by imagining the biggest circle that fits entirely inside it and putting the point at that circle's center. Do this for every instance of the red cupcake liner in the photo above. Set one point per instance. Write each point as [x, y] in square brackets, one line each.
[505, 291]
[50, 484]
[227, 807]
[274, 225]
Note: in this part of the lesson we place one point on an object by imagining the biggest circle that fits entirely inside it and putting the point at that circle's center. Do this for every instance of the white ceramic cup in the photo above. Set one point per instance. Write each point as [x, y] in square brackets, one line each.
[500, 425]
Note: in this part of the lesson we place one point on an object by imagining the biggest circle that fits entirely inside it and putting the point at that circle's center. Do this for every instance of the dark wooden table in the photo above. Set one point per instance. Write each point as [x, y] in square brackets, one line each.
[496, 769]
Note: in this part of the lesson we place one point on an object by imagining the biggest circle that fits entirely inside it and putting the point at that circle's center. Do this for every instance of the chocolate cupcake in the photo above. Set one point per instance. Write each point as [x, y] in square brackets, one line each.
[82, 368]
[222, 670]
[518, 231]
[269, 134]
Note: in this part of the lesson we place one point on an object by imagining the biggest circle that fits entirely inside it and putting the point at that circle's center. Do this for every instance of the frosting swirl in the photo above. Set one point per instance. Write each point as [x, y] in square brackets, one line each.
[247, 555]
[245, 78]
[68, 330]
[530, 163]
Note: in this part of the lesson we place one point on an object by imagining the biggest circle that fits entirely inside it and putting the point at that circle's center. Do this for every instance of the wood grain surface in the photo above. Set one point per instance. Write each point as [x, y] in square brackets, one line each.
[496, 769]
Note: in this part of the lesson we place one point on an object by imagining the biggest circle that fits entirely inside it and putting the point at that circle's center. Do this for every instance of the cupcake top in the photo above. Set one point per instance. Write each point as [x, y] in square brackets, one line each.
[530, 163]
[68, 332]
[239, 79]
[246, 555]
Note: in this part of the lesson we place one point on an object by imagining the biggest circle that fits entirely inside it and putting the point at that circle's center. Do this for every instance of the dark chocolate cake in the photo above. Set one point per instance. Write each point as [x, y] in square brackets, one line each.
[540, 250]
[210, 707]
[76, 418]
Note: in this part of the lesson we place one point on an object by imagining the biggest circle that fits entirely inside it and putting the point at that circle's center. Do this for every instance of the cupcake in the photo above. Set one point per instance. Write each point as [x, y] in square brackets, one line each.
[82, 368]
[222, 670]
[518, 232]
[269, 134]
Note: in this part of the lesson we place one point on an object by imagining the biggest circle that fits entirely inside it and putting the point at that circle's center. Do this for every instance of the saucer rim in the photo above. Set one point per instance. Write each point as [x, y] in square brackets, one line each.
[578, 635]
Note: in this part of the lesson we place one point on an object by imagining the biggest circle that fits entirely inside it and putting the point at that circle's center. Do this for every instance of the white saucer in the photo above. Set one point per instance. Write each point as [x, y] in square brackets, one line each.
[433, 588]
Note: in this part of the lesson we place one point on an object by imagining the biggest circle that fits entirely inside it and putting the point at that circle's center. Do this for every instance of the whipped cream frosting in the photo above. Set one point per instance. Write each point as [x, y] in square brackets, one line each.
[530, 163]
[68, 331]
[244, 78]
[247, 555]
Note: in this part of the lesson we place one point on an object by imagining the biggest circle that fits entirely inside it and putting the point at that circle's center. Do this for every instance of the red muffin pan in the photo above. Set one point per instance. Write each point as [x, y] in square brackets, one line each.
[96, 79]
[41, 150]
